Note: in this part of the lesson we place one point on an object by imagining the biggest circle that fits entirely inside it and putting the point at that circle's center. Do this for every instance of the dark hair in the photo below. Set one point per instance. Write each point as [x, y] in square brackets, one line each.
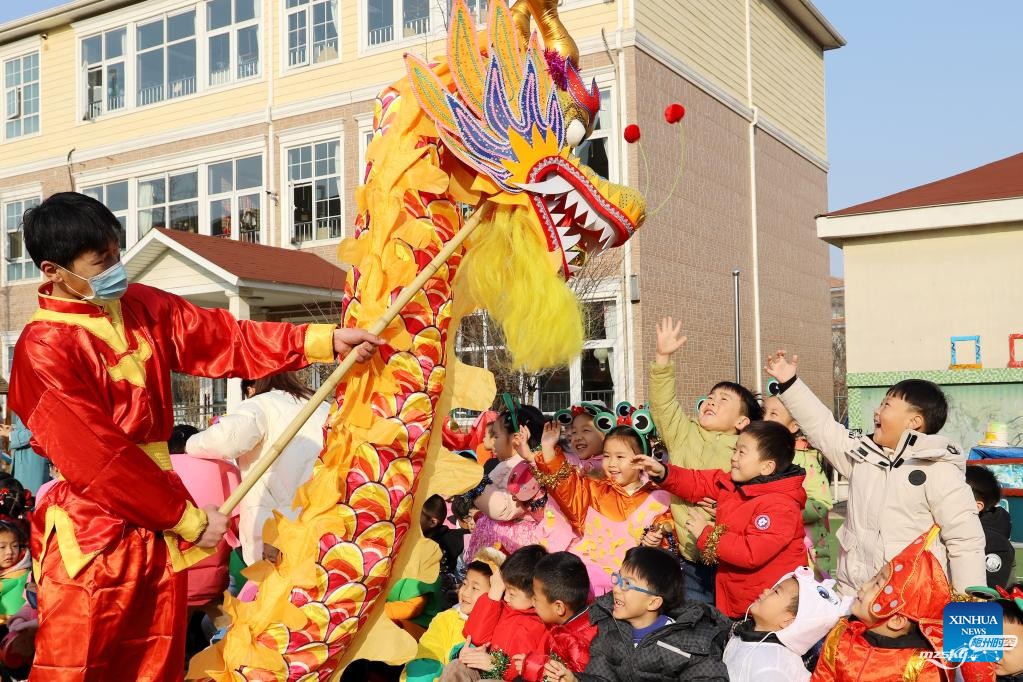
[289, 382]
[626, 433]
[461, 506]
[517, 569]
[774, 442]
[179, 437]
[1011, 611]
[984, 485]
[15, 501]
[660, 571]
[435, 507]
[926, 398]
[749, 406]
[565, 579]
[480, 567]
[67, 225]
[527, 416]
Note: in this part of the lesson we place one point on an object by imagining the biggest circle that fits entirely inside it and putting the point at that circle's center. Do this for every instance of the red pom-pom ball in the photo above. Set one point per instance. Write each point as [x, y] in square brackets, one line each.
[674, 113]
[631, 133]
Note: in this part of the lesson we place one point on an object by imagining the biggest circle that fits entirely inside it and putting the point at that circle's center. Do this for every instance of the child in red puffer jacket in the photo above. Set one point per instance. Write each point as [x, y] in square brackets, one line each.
[503, 623]
[757, 535]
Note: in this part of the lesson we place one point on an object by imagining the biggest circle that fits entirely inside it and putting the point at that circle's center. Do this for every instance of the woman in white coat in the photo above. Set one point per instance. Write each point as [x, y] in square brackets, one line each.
[248, 433]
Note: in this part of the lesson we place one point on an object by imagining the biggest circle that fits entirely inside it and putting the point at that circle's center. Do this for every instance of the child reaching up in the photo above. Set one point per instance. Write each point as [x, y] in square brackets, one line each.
[818, 493]
[784, 623]
[647, 630]
[903, 478]
[758, 533]
[608, 514]
[706, 443]
[896, 617]
[503, 622]
[560, 591]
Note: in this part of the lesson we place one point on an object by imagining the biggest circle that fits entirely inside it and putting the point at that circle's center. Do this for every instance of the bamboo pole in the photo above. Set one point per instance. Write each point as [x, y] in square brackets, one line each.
[330, 384]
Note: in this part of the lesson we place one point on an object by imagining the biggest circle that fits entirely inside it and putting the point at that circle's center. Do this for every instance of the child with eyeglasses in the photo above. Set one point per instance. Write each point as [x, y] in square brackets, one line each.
[647, 630]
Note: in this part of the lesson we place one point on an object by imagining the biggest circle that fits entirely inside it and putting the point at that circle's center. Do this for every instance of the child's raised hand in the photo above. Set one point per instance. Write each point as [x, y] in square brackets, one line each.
[780, 367]
[649, 465]
[669, 339]
[695, 524]
[548, 441]
[521, 442]
[496, 586]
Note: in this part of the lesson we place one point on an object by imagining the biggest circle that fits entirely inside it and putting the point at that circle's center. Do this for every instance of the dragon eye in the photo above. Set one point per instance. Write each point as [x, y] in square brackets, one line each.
[576, 133]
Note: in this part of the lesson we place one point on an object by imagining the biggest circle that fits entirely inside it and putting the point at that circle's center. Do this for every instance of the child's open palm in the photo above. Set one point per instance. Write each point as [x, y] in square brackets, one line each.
[780, 367]
[548, 441]
[649, 465]
[669, 338]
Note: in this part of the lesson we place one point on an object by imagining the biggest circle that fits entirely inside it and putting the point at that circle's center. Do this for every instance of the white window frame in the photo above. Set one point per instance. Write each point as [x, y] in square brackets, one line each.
[298, 137]
[18, 91]
[235, 196]
[130, 222]
[200, 160]
[138, 14]
[22, 195]
[232, 30]
[365, 133]
[432, 37]
[10, 340]
[95, 108]
[285, 36]
[167, 86]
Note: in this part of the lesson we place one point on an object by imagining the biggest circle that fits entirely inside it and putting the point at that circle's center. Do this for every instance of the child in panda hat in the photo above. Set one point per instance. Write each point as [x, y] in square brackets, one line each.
[781, 626]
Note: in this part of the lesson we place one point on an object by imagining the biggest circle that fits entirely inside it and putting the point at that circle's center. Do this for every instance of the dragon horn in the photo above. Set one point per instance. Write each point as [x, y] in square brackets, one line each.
[555, 35]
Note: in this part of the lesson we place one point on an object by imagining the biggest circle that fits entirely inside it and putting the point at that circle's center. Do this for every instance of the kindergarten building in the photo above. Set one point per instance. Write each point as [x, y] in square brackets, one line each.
[930, 269]
[227, 136]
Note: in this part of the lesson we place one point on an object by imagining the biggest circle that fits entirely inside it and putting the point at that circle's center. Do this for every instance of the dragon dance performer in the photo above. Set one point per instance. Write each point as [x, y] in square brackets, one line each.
[92, 380]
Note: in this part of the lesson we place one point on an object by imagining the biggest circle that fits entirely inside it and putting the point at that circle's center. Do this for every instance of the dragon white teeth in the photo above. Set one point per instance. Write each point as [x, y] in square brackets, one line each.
[553, 185]
[569, 240]
[572, 269]
[557, 217]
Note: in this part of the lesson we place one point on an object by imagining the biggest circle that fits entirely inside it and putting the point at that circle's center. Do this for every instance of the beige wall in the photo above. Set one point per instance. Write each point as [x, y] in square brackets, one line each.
[788, 75]
[906, 294]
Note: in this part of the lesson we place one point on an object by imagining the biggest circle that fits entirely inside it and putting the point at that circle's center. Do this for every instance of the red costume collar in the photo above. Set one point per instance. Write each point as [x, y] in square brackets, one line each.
[47, 301]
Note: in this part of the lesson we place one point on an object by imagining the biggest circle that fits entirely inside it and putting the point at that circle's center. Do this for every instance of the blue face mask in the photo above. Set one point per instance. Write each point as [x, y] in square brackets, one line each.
[108, 285]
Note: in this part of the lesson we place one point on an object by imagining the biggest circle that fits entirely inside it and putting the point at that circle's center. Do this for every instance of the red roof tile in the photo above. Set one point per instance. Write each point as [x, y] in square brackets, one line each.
[259, 263]
[999, 180]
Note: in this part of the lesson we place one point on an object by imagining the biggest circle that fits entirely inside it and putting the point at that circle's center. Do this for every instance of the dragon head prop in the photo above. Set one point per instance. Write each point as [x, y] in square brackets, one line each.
[513, 114]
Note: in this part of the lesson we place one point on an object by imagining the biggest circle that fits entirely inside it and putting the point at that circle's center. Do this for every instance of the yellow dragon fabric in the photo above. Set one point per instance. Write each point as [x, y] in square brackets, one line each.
[491, 128]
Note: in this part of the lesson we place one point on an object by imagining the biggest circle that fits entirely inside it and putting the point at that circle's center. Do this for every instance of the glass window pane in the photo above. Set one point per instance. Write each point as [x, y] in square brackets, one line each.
[297, 3]
[181, 68]
[244, 10]
[250, 172]
[115, 86]
[117, 196]
[218, 14]
[150, 218]
[152, 192]
[149, 35]
[220, 218]
[221, 177]
[296, 38]
[248, 218]
[326, 158]
[185, 217]
[181, 26]
[184, 186]
[220, 59]
[115, 43]
[94, 192]
[248, 51]
[380, 21]
[597, 369]
[92, 50]
[150, 77]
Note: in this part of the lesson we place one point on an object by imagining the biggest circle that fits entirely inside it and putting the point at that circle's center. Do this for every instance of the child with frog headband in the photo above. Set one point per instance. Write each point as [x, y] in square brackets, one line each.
[609, 515]
[586, 441]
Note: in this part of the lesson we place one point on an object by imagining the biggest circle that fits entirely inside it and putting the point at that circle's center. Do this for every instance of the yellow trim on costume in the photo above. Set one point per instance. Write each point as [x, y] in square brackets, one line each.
[319, 343]
[192, 523]
[914, 668]
[159, 453]
[74, 559]
[830, 650]
[110, 330]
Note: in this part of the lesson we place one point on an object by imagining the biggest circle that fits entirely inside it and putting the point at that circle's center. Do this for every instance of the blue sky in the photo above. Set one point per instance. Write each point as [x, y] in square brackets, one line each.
[923, 90]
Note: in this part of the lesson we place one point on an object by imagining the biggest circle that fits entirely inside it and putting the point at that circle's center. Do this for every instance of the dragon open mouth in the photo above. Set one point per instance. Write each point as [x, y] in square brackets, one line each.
[577, 218]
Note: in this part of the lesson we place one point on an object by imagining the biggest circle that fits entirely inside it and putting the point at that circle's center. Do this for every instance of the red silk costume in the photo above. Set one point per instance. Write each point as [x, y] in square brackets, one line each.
[93, 384]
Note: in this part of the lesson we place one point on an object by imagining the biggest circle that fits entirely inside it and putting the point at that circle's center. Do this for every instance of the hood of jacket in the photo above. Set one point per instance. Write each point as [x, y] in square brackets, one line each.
[914, 445]
[996, 520]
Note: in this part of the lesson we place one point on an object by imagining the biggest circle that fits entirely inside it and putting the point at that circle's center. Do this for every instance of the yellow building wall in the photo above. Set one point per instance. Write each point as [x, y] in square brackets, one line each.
[788, 75]
[709, 35]
[906, 294]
